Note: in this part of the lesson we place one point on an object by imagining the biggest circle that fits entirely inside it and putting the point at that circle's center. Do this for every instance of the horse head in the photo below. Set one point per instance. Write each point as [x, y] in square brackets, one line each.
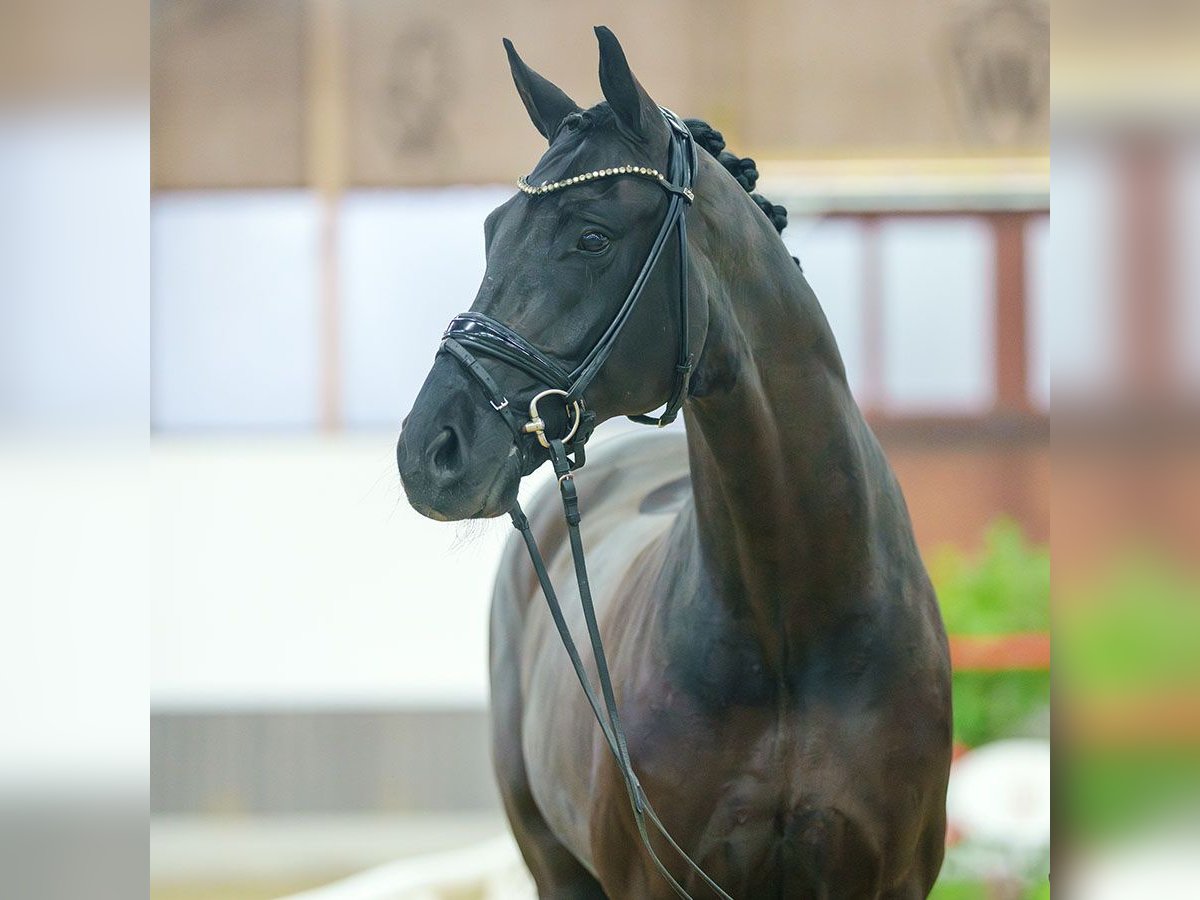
[560, 264]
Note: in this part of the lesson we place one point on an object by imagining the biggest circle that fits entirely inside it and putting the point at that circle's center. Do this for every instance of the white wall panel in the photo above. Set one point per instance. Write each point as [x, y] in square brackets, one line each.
[831, 252]
[73, 269]
[937, 281]
[1083, 277]
[409, 261]
[236, 310]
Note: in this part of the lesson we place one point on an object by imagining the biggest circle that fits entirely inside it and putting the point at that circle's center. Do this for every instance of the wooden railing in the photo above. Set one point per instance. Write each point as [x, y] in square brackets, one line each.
[1028, 651]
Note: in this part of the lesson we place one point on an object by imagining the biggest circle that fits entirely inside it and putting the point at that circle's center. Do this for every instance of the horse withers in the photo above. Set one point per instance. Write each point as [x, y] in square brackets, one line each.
[780, 664]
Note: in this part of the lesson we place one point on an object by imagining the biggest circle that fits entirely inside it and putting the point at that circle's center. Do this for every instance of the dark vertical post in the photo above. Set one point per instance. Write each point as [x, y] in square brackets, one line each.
[1012, 345]
[872, 310]
[1146, 241]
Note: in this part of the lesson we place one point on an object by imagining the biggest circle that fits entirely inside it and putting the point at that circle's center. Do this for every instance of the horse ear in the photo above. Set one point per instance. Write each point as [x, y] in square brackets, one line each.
[636, 113]
[546, 103]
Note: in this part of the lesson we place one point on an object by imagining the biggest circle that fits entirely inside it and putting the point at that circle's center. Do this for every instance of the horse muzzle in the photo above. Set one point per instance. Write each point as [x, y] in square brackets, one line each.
[455, 459]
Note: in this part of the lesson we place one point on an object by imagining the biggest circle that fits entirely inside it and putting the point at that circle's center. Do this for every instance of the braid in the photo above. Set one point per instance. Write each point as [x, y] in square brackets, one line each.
[706, 136]
[773, 211]
[742, 168]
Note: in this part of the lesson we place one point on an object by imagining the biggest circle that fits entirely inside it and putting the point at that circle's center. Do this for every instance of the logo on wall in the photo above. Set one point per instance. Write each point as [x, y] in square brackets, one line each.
[1000, 69]
[419, 83]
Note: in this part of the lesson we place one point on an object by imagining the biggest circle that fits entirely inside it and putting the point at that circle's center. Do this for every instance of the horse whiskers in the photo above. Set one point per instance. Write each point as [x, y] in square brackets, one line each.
[471, 531]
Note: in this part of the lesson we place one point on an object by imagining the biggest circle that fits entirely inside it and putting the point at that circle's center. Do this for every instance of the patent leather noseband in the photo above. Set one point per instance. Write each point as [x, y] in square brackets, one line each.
[473, 334]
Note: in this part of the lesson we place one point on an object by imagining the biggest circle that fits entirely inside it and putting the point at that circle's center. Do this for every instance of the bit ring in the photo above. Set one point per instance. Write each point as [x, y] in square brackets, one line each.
[537, 426]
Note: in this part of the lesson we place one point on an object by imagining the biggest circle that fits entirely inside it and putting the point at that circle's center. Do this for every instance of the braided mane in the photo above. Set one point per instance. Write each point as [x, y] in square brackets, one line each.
[742, 168]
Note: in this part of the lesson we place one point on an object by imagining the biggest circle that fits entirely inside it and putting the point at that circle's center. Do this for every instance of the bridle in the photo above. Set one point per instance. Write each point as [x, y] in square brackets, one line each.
[473, 334]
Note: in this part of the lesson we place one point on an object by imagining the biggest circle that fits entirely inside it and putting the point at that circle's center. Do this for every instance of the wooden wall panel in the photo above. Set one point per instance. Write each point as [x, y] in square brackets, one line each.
[431, 99]
[55, 49]
[428, 98]
[227, 93]
[954, 494]
[937, 76]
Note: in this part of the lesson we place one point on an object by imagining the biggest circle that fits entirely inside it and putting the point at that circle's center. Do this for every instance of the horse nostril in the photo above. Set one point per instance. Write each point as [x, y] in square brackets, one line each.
[445, 451]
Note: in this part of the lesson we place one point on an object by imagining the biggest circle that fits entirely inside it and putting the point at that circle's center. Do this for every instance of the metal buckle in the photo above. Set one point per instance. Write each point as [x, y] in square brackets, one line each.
[537, 426]
[501, 406]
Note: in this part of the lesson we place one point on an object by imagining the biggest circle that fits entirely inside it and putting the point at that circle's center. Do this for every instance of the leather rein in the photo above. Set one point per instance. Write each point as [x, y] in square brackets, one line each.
[473, 334]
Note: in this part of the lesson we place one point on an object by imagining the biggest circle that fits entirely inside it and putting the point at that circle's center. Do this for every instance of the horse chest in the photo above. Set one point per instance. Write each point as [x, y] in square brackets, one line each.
[771, 782]
[765, 796]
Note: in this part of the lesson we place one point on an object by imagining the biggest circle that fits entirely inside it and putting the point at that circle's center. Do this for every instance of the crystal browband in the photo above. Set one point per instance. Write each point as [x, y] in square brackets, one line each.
[644, 171]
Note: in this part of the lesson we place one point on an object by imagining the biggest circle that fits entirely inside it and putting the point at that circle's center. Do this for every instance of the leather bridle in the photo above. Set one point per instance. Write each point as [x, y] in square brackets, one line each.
[473, 334]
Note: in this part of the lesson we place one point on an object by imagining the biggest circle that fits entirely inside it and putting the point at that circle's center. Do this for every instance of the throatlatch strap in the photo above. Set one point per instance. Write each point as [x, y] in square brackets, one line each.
[614, 733]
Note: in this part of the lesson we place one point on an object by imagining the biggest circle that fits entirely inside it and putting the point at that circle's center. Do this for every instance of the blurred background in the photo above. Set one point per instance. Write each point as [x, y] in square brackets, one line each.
[319, 172]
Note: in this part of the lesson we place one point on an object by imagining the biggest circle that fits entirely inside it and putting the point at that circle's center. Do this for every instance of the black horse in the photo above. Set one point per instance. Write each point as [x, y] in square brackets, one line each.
[780, 661]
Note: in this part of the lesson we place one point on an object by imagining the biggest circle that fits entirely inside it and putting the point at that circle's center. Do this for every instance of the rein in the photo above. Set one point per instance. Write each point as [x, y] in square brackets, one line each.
[473, 333]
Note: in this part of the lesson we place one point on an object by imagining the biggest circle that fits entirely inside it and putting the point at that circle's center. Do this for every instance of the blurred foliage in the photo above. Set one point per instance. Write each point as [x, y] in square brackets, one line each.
[1134, 631]
[1130, 674]
[992, 705]
[978, 890]
[1110, 791]
[1004, 589]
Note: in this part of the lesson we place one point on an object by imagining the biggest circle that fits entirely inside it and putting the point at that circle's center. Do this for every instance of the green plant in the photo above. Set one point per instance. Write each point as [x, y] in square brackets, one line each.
[1004, 589]
[1130, 672]
[979, 890]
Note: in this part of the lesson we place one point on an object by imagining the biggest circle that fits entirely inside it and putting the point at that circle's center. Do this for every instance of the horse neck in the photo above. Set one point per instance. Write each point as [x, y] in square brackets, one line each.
[784, 469]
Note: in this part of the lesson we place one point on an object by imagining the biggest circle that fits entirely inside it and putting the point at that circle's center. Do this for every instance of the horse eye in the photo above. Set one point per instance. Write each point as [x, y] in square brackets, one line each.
[592, 242]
